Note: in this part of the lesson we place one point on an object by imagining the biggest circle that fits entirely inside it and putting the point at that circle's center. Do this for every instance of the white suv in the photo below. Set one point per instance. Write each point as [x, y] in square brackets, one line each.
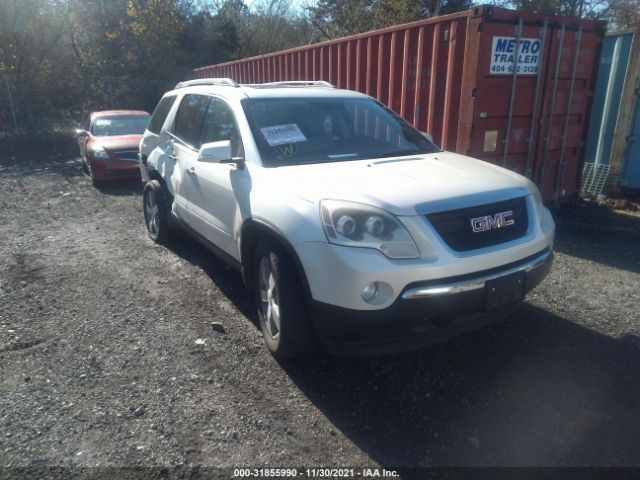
[350, 227]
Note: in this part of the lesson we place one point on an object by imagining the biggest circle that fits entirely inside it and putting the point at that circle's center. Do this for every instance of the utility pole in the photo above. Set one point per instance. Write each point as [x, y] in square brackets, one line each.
[13, 112]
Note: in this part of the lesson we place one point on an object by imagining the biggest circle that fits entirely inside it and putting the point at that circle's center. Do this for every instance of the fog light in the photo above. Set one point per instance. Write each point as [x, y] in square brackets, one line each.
[369, 291]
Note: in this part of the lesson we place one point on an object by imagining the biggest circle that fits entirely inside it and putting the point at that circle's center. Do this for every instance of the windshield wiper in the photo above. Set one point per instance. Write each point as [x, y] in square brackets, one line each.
[396, 153]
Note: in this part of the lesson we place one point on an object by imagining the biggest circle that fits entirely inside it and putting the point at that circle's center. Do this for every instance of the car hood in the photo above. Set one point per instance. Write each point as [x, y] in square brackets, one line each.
[405, 185]
[119, 142]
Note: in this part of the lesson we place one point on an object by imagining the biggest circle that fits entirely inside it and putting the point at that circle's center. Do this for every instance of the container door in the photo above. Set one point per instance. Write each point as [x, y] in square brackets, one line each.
[631, 178]
[606, 101]
[508, 93]
[570, 79]
[530, 74]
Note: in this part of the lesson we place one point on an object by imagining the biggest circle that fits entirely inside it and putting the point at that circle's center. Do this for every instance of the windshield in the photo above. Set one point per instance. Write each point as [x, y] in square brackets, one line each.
[120, 125]
[296, 131]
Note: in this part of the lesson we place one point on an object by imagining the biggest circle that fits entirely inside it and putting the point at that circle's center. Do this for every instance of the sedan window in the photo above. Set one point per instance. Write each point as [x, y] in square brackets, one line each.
[109, 126]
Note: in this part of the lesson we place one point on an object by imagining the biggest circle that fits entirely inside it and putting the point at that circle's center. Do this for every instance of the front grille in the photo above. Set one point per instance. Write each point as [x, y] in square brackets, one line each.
[455, 227]
[128, 155]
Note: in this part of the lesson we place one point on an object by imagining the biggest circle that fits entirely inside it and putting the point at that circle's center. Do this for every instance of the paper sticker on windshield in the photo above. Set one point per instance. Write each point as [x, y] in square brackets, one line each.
[283, 134]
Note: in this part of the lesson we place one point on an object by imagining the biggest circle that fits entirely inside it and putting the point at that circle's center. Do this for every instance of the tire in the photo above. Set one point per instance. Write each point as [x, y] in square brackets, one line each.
[155, 212]
[94, 181]
[281, 302]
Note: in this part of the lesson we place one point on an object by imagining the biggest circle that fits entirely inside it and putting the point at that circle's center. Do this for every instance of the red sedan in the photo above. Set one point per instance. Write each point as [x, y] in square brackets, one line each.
[109, 144]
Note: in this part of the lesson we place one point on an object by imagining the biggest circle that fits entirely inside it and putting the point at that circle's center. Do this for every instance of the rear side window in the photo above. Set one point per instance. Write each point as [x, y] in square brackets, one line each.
[160, 114]
[189, 119]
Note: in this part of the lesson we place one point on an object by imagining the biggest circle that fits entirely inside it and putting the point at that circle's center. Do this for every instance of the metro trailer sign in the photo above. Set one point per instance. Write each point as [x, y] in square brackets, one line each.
[503, 53]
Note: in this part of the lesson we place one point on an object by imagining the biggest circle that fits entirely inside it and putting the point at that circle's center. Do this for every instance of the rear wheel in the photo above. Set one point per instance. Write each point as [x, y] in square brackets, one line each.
[282, 306]
[155, 212]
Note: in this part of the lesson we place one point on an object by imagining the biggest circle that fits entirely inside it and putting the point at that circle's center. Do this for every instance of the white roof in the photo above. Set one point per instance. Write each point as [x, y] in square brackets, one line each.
[303, 89]
[300, 92]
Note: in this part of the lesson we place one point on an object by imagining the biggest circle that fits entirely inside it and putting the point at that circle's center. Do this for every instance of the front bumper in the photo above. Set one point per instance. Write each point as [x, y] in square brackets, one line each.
[110, 169]
[429, 312]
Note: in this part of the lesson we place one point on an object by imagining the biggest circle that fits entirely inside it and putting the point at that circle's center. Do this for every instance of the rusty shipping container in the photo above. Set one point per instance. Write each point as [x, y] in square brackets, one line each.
[509, 87]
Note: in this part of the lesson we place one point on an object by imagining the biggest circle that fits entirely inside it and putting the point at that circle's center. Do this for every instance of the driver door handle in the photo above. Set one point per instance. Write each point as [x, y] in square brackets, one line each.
[191, 170]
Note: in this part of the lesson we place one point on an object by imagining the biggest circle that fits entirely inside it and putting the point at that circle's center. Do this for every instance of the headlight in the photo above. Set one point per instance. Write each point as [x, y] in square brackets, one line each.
[99, 153]
[357, 225]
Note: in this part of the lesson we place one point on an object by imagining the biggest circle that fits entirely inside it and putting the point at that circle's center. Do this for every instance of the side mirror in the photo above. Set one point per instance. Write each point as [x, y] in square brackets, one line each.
[219, 152]
[81, 132]
[215, 152]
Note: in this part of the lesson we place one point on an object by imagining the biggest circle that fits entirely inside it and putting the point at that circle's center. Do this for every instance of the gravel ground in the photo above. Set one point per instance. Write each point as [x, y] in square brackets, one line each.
[108, 355]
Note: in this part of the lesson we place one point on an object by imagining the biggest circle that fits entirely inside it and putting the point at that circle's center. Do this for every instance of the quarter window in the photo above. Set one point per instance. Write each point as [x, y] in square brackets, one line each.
[189, 119]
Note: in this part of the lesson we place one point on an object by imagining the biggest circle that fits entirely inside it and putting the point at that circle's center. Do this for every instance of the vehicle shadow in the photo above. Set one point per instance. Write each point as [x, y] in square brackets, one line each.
[596, 233]
[535, 391]
[68, 167]
[65, 166]
[225, 278]
[121, 188]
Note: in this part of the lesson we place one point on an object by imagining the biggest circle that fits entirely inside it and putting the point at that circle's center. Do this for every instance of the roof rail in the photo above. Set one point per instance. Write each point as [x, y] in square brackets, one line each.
[292, 83]
[228, 82]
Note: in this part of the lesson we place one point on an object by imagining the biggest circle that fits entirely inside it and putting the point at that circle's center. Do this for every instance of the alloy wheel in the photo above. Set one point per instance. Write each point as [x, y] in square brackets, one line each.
[269, 298]
[152, 213]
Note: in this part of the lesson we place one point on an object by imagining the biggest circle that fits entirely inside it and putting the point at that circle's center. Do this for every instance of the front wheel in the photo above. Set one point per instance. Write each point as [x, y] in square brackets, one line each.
[94, 181]
[155, 212]
[85, 168]
[282, 306]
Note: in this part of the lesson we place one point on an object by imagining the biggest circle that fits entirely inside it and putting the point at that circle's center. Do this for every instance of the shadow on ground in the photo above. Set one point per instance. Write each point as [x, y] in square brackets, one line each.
[596, 233]
[538, 390]
[227, 280]
[535, 390]
[67, 165]
[120, 188]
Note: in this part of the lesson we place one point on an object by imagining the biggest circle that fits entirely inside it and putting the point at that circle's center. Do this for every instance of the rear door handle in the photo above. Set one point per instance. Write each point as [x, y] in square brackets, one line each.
[191, 170]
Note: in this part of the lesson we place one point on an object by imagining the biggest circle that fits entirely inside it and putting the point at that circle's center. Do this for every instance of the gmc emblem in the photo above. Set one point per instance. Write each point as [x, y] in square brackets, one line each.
[489, 222]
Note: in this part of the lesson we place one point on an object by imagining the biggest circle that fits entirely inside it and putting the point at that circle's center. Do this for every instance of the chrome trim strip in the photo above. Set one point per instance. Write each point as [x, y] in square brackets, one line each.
[475, 283]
